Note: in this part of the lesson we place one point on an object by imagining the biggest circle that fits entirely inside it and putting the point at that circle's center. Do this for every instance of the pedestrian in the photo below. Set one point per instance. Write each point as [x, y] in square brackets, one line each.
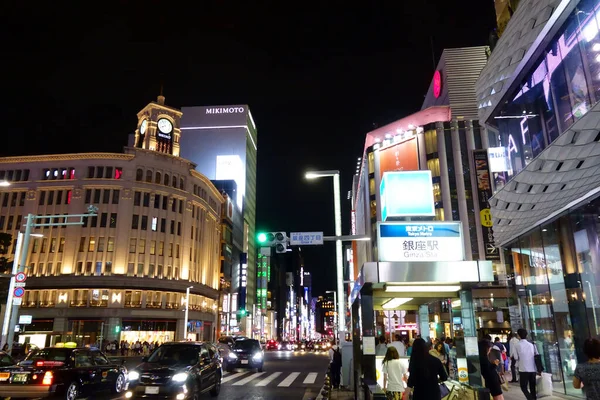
[335, 365]
[425, 372]
[512, 345]
[588, 374]
[381, 348]
[394, 375]
[489, 371]
[399, 345]
[524, 354]
[439, 351]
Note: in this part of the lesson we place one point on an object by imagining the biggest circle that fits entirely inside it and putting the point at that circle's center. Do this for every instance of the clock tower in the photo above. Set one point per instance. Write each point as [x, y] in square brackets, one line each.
[159, 128]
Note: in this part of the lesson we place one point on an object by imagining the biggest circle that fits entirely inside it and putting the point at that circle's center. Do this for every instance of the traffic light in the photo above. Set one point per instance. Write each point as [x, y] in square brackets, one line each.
[117, 329]
[278, 240]
[242, 312]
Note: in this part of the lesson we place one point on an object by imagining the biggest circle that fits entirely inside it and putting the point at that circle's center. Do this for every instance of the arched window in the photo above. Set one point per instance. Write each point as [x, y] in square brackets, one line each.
[181, 184]
[174, 181]
[149, 176]
[166, 180]
[157, 178]
[139, 174]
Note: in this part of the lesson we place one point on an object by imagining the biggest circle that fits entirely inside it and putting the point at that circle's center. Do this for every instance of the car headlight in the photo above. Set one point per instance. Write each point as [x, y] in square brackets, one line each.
[233, 356]
[257, 357]
[180, 377]
[134, 375]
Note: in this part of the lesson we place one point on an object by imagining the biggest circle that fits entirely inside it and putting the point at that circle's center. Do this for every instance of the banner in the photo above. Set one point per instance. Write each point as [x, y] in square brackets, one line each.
[484, 192]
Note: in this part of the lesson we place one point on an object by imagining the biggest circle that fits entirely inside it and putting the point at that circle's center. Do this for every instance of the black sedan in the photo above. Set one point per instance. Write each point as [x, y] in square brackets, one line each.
[177, 370]
[246, 354]
[60, 372]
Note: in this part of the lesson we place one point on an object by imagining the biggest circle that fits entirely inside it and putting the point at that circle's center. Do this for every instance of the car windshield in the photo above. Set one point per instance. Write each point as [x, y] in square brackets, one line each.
[247, 345]
[172, 354]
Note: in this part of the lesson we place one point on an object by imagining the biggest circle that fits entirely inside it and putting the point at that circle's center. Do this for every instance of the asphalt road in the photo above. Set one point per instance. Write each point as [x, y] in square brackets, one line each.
[286, 376]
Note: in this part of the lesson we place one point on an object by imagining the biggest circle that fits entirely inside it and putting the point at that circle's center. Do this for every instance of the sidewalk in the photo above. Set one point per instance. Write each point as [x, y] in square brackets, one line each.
[515, 393]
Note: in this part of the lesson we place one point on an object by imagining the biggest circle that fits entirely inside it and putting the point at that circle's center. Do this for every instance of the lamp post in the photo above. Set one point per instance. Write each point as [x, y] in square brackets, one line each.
[187, 309]
[337, 207]
[47, 220]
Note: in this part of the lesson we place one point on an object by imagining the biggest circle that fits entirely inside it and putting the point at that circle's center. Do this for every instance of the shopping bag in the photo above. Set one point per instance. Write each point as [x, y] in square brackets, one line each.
[544, 385]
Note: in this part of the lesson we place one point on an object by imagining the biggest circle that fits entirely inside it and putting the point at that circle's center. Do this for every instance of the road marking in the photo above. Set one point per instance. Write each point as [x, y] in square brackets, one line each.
[248, 379]
[289, 380]
[233, 376]
[268, 379]
[311, 378]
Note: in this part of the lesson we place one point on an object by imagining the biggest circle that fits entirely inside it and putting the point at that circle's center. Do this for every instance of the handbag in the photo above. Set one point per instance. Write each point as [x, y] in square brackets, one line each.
[538, 360]
[444, 391]
[503, 382]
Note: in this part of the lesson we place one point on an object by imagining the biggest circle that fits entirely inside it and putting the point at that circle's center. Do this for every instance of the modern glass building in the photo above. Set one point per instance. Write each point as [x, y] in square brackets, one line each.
[538, 96]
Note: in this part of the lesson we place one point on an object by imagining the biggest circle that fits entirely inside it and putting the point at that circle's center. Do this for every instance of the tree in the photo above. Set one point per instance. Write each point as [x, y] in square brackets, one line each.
[5, 242]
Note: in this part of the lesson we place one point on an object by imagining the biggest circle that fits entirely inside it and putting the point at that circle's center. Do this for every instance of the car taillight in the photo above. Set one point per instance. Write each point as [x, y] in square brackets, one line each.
[49, 364]
[47, 378]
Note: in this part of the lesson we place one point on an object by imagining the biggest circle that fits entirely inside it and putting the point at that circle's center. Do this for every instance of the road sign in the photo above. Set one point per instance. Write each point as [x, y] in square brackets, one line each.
[21, 277]
[25, 319]
[17, 301]
[19, 292]
[19, 284]
[306, 238]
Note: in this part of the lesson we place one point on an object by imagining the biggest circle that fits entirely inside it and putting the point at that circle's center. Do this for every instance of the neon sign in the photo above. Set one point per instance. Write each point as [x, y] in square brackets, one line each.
[437, 84]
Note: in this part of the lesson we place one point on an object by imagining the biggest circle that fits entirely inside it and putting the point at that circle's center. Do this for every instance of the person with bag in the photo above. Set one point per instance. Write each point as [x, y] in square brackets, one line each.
[588, 374]
[335, 365]
[525, 354]
[512, 345]
[425, 373]
[493, 380]
[394, 375]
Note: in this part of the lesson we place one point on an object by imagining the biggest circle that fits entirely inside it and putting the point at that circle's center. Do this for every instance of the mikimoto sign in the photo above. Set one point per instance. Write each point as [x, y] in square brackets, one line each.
[420, 241]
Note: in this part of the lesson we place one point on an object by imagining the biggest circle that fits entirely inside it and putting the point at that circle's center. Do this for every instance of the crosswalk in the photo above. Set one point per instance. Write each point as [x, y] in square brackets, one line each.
[278, 379]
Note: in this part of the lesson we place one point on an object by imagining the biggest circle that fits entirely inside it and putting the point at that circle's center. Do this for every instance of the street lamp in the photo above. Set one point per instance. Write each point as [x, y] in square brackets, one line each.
[187, 308]
[338, 243]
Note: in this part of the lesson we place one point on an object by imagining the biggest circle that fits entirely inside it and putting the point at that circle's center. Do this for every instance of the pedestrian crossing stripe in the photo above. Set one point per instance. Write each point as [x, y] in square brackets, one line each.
[262, 379]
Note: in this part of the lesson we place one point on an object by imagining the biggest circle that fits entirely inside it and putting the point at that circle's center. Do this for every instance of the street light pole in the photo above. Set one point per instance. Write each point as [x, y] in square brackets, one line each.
[187, 308]
[337, 208]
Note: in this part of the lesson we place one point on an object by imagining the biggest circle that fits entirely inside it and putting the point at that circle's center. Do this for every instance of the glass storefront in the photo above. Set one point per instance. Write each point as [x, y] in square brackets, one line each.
[557, 274]
[160, 331]
[559, 89]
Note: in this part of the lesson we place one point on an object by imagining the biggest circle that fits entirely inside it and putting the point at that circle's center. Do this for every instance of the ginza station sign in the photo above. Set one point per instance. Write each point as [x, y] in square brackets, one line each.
[420, 241]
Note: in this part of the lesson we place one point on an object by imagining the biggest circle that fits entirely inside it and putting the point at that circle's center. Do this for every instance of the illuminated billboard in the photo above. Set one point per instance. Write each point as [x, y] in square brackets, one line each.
[420, 241]
[406, 194]
[232, 167]
[403, 156]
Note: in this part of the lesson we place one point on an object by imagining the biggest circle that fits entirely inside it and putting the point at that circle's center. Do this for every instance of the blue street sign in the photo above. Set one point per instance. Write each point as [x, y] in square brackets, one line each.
[19, 292]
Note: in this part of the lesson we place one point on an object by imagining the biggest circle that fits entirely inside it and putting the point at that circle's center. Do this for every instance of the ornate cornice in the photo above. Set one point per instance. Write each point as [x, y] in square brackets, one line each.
[66, 157]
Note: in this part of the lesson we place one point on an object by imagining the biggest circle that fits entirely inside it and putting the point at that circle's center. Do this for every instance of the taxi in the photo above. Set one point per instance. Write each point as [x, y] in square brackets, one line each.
[63, 371]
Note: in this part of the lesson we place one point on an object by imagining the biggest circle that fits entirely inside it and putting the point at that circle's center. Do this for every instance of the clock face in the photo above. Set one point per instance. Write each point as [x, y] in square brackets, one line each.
[144, 126]
[165, 126]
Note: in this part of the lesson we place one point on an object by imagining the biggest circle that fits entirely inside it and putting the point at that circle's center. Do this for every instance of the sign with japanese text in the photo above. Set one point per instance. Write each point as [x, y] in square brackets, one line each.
[484, 192]
[420, 241]
[306, 238]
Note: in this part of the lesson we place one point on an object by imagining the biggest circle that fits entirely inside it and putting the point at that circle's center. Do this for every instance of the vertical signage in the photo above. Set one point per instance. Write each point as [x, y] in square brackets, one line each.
[243, 281]
[484, 192]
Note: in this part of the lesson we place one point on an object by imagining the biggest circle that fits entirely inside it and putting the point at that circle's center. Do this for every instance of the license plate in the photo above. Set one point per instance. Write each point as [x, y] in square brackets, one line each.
[244, 361]
[151, 390]
[19, 378]
[4, 376]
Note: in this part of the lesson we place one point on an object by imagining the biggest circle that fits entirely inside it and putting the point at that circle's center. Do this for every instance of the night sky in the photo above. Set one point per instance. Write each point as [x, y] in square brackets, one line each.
[317, 79]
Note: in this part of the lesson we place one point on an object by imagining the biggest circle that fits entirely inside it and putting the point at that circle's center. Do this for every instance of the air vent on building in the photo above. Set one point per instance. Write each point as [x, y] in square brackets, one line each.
[563, 186]
[579, 164]
[530, 189]
[545, 188]
[560, 164]
[597, 138]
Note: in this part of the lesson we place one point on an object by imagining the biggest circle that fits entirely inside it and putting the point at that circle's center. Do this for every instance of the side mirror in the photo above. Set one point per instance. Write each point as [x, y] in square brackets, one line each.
[144, 359]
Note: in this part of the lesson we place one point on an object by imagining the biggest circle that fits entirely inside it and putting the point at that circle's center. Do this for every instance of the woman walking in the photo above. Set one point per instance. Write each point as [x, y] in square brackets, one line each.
[439, 351]
[394, 375]
[426, 372]
[489, 370]
[588, 373]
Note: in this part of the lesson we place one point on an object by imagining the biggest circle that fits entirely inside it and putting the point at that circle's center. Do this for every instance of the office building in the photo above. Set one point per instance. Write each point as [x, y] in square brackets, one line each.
[222, 142]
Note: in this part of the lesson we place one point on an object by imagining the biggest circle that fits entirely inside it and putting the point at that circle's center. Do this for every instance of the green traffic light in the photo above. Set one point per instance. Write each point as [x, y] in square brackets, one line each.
[243, 312]
[262, 237]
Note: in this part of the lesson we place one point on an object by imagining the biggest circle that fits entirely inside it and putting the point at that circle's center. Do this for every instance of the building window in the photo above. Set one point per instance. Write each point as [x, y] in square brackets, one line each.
[157, 201]
[142, 246]
[130, 269]
[146, 199]
[61, 246]
[92, 244]
[154, 226]
[113, 220]
[110, 247]
[140, 269]
[144, 222]
[137, 197]
[98, 271]
[108, 267]
[100, 244]
[157, 178]
[161, 248]
[118, 172]
[115, 196]
[97, 193]
[44, 245]
[177, 251]
[53, 245]
[135, 221]
[103, 220]
[90, 173]
[88, 196]
[41, 200]
[163, 223]
[165, 201]
[109, 173]
[152, 247]
[151, 271]
[180, 206]
[82, 244]
[170, 249]
[149, 176]
[139, 174]
[79, 270]
[132, 245]
[172, 227]
[178, 228]
[106, 196]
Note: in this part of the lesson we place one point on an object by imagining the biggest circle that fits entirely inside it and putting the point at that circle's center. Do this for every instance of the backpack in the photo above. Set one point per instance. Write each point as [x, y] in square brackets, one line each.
[337, 357]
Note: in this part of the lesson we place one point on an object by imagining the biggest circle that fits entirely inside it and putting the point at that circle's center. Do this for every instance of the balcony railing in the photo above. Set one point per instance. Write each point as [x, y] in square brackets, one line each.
[78, 303]
[133, 304]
